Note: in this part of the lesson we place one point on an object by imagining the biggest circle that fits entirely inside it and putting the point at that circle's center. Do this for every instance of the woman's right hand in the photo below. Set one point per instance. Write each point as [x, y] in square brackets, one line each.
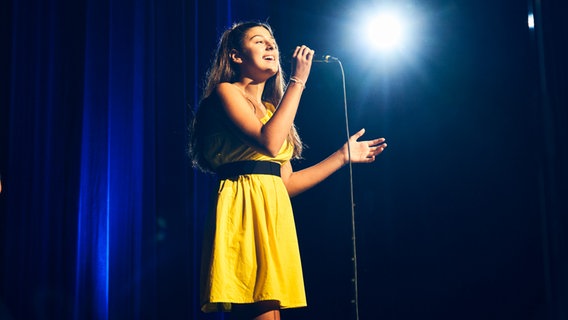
[302, 62]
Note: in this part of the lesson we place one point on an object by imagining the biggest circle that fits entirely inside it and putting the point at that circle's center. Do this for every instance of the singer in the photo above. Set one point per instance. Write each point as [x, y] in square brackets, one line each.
[244, 133]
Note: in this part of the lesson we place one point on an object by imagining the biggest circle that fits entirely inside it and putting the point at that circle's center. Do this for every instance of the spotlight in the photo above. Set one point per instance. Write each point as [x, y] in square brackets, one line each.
[386, 31]
[386, 35]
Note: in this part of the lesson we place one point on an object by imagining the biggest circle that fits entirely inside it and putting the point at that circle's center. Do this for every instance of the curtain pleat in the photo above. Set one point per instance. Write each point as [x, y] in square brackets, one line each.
[102, 213]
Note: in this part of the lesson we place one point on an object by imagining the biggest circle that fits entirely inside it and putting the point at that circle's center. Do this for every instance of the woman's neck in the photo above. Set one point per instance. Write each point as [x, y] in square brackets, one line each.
[251, 89]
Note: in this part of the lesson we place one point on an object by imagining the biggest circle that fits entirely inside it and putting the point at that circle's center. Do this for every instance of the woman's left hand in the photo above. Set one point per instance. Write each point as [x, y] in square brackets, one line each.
[363, 151]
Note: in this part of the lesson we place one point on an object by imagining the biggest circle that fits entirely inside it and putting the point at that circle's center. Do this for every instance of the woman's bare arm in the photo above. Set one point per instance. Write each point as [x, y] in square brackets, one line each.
[361, 152]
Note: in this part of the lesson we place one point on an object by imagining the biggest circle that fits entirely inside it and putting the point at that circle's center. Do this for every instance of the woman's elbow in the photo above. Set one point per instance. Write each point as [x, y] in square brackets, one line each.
[267, 151]
[271, 150]
[292, 194]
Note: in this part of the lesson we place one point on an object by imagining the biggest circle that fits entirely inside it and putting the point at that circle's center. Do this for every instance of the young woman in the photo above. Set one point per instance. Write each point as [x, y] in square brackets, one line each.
[244, 132]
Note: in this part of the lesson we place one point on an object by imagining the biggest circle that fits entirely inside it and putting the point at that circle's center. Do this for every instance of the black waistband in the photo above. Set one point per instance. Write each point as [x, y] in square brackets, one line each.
[234, 169]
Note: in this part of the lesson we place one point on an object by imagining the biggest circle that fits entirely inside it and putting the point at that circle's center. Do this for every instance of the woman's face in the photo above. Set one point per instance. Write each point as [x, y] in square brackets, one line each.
[259, 53]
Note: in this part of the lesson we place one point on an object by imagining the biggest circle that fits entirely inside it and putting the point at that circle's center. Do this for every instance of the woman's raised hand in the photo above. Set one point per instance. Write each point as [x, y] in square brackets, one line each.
[302, 63]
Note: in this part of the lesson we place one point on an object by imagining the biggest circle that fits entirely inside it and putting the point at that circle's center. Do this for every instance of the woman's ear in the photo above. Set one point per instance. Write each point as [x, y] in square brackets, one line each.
[235, 56]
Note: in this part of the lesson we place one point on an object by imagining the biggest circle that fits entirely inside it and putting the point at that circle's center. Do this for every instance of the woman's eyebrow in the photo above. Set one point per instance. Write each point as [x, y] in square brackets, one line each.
[262, 36]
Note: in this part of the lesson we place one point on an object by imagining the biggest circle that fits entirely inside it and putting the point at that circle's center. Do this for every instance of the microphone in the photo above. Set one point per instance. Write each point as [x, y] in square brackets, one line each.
[320, 58]
[326, 58]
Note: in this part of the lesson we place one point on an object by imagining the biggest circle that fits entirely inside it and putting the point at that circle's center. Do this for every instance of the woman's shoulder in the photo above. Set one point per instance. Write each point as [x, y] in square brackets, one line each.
[221, 90]
[226, 88]
[225, 92]
[218, 97]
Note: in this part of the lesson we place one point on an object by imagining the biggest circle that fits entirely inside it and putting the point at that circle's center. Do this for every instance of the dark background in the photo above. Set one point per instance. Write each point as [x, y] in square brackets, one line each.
[462, 217]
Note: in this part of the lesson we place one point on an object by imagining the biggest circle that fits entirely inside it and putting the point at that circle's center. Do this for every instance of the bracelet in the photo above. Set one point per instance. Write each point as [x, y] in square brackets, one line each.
[298, 81]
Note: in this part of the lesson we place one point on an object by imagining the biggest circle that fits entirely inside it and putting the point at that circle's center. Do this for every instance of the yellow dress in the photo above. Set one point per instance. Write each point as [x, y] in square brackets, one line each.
[250, 251]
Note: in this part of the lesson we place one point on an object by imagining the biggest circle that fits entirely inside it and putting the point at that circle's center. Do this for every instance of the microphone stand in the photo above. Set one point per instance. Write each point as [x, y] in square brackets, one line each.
[355, 280]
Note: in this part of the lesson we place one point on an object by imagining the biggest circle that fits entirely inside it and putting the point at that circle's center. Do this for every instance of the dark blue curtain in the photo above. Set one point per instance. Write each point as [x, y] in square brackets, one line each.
[101, 211]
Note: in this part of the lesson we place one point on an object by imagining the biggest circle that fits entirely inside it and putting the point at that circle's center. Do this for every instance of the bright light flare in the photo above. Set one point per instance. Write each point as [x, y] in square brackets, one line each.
[386, 31]
[386, 36]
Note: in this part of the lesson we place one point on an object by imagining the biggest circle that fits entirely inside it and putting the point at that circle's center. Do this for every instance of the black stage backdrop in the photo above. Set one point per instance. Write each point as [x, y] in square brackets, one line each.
[463, 217]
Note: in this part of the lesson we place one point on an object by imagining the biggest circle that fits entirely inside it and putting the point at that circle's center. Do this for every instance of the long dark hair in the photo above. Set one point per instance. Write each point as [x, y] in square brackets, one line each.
[223, 69]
